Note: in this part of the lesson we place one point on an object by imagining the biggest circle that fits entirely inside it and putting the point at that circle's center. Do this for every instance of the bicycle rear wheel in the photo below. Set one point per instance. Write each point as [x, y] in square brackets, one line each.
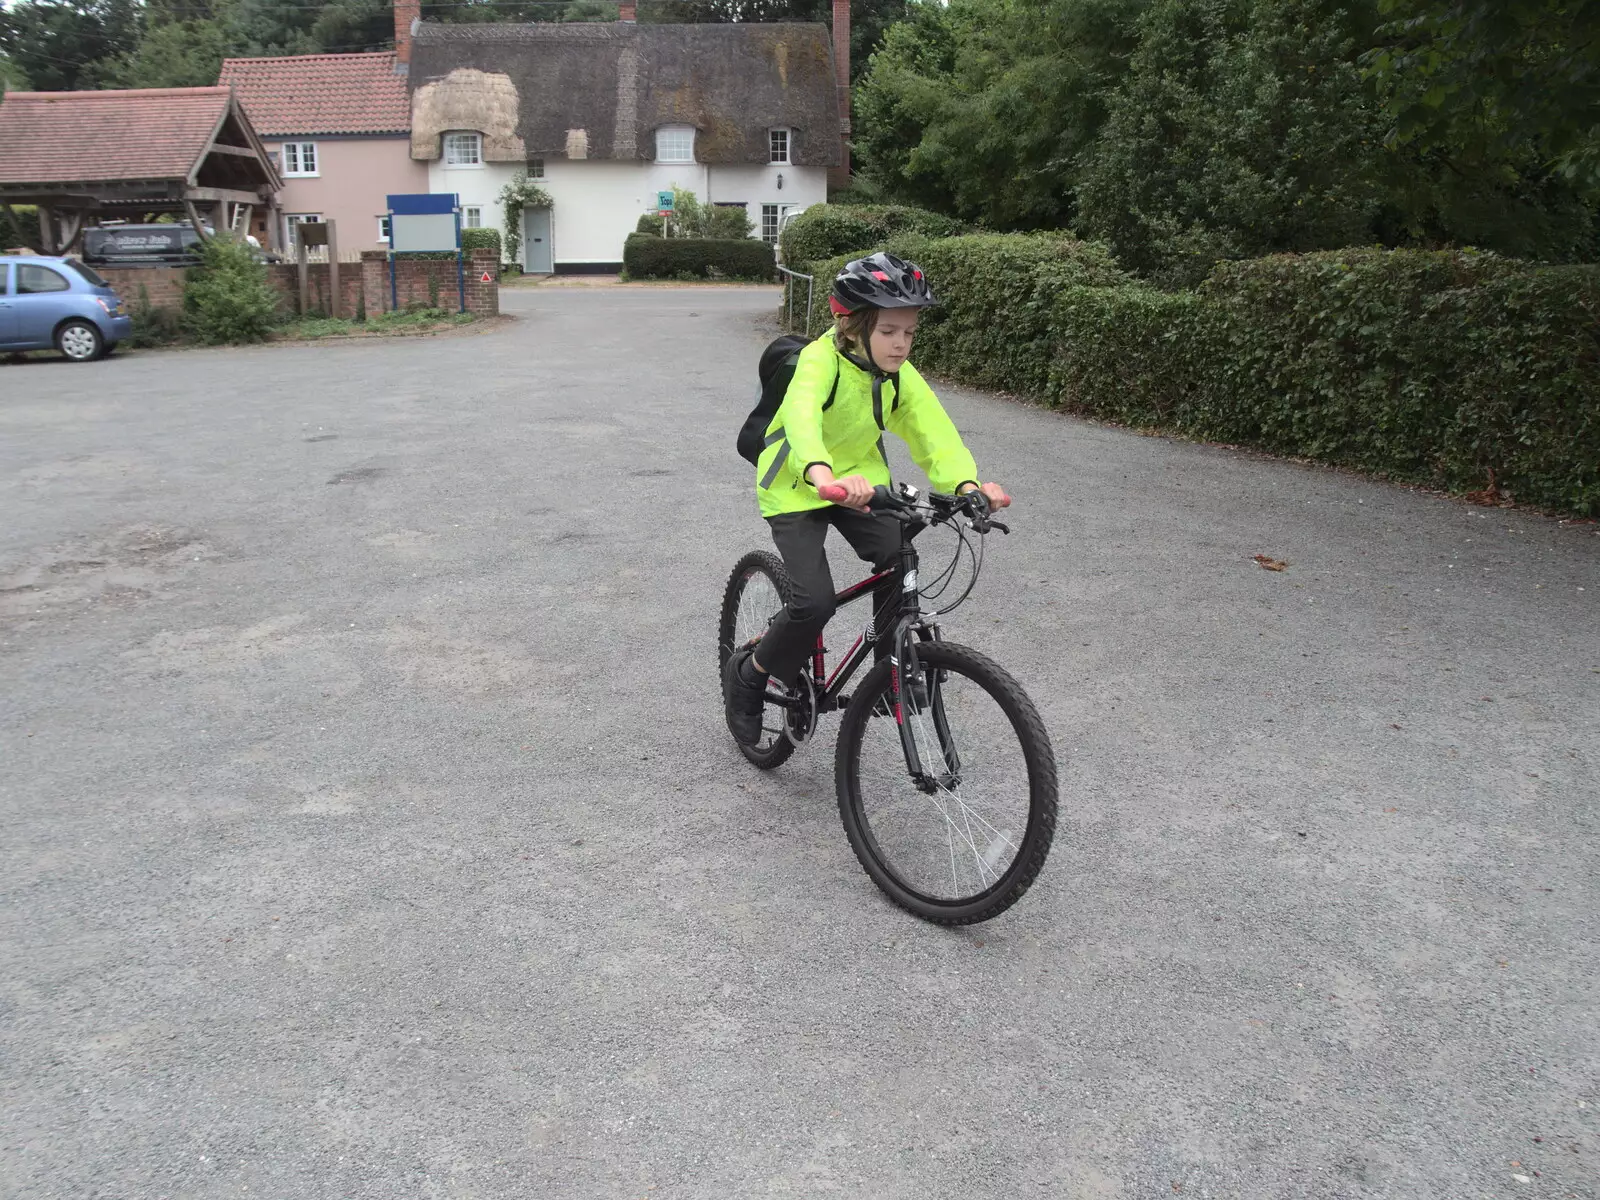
[966, 841]
[758, 589]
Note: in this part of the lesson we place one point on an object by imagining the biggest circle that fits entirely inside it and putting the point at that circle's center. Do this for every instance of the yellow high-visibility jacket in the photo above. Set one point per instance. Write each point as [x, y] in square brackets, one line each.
[846, 433]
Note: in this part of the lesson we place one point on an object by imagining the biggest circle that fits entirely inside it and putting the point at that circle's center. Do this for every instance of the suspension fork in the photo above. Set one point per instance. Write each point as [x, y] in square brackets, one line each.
[905, 663]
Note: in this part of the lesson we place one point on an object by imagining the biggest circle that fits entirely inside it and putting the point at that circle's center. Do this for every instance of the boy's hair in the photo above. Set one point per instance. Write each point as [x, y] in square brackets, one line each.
[855, 328]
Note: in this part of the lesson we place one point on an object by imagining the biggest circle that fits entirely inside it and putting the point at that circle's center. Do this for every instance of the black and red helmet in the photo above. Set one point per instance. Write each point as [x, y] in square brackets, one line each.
[880, 281]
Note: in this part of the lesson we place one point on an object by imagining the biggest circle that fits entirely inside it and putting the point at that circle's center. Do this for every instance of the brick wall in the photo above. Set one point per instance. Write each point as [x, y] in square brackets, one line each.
[429, 280]
[368, 280]
[319, 284]
[162, 286]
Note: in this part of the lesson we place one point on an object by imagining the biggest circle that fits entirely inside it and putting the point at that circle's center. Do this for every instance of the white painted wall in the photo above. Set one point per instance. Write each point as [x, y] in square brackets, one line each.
[758, 185]
[477, 186]
[597, 203]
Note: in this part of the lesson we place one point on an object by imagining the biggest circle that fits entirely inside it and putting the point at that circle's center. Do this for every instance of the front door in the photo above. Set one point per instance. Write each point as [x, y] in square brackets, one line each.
[536, 249]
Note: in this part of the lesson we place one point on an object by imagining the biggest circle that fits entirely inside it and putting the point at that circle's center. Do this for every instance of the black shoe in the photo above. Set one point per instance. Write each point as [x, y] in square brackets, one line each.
[744, 691]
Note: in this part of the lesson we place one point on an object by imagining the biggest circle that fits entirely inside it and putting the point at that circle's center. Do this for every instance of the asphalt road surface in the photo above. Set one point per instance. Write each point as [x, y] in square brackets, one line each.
[370, 828]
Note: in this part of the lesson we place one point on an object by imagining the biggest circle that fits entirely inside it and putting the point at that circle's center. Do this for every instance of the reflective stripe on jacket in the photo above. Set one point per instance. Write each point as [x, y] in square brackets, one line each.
[847, 434]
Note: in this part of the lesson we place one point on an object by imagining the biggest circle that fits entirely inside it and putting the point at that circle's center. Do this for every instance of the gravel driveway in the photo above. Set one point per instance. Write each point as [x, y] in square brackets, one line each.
[371, 831]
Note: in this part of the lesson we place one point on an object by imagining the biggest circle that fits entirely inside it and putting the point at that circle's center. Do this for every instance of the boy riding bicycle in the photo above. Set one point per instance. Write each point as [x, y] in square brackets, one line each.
[849, 386]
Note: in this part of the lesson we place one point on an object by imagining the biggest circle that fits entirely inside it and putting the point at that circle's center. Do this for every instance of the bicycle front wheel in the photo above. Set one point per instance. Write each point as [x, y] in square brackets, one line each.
[963, 840]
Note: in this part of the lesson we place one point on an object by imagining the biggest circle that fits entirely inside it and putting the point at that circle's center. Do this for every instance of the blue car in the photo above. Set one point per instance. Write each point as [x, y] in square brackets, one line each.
[60, 303]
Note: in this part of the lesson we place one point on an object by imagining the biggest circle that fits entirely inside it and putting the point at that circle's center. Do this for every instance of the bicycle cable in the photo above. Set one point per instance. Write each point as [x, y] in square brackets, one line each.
[943, 580]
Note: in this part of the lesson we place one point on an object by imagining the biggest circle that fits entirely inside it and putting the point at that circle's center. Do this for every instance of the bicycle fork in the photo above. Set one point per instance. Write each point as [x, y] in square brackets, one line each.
[904, 664]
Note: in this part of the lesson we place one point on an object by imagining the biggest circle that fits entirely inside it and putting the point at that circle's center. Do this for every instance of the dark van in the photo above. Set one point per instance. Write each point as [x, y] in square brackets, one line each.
[141, 245]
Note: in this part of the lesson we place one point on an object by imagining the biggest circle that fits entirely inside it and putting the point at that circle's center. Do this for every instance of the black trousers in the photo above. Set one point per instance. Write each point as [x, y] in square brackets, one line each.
[792, 636]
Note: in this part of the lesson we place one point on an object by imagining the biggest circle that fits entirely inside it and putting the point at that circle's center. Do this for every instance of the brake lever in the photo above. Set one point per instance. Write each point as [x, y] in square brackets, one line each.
[1000, 525]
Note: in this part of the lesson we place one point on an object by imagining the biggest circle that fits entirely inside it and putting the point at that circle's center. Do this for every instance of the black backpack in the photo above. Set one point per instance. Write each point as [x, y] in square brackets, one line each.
[775, 371]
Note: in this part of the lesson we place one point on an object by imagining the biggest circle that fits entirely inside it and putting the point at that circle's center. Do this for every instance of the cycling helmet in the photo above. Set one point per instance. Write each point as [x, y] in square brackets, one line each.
[879, 281]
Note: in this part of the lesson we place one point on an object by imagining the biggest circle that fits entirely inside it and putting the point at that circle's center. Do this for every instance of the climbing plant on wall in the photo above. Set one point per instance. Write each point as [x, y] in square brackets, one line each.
[517, 195]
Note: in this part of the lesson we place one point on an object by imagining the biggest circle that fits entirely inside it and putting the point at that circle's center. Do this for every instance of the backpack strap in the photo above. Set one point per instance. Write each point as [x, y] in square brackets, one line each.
[834, 390]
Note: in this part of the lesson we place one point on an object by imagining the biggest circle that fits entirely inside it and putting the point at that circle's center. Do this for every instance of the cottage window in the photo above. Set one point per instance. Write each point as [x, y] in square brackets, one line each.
[299, 158]
[778, 139]
[536, 168]
[471, 218]
[463, 150]
[675, 144]
[770, 216]
[290, 220]
[383, 229]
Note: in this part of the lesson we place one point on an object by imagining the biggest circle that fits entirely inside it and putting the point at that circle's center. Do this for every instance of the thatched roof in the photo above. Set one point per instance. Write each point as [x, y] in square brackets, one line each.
[620, 82]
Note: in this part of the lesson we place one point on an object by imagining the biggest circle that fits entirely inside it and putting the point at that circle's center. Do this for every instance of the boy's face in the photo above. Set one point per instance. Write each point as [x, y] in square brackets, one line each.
[891, 337]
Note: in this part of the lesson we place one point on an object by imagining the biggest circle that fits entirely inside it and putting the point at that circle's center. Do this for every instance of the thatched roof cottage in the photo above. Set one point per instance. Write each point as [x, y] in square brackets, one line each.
[605, 116]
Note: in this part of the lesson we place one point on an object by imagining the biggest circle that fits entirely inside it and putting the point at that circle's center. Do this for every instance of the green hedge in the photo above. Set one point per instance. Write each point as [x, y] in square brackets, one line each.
[647, 257]
[829, 230]
[993, 325]
[486, 238]
[1444, 368]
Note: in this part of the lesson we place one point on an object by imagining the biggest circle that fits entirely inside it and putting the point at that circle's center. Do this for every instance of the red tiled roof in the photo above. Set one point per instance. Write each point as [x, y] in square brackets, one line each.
[146, 133]
[321, 93]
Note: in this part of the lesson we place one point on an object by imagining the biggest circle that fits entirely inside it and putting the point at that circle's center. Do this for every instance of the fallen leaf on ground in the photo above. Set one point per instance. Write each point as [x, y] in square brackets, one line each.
[1270, 564]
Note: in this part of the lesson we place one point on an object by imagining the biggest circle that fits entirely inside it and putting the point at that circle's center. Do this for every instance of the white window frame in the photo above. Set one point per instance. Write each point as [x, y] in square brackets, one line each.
[776, 213]
[536, 168]
[383, 232]
[295, 155]
[290, 220]
[455, 143]
[471, 216]
[670, 144]
[788, 147]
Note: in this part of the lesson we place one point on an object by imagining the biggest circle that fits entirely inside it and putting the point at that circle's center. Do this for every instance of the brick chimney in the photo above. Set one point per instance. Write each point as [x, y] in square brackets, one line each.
[406, 14]
[628, 12]
[840, 176]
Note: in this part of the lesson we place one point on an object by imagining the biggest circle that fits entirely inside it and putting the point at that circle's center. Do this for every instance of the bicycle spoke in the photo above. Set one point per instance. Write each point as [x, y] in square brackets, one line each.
[957, 834]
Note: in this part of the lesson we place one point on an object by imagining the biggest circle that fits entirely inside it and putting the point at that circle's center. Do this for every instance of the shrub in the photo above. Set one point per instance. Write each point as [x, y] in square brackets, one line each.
[19, 234]
[727, 221]
[997, 292]
[692, 219]
[482, 239]
[830, 230]
[227, 297]
[993, 326]
[1444, 368]
[152, 326]
[645, 257]
[1451, 369]
[1132, 353]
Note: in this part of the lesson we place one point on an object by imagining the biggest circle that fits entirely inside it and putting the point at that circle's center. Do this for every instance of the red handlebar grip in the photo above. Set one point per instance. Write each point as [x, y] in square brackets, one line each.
[833, 493]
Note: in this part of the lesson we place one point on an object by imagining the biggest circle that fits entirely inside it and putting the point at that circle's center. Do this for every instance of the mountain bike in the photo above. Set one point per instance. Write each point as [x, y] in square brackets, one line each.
[945, 775]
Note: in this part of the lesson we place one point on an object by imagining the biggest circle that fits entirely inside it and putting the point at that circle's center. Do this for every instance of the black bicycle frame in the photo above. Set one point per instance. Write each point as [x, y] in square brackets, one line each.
[906, 618]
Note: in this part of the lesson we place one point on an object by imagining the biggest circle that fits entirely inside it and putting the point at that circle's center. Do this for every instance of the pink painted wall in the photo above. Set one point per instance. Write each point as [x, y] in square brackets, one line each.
[354, 176]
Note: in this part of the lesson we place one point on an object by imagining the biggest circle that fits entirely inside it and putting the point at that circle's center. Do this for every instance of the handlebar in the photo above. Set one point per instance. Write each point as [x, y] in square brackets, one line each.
[933, 508]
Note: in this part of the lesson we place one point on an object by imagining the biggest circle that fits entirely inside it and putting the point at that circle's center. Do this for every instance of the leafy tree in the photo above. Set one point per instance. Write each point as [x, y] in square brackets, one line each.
[1490, 82]
[181, 44]
[1244, 127]
[984, 108]
[12, 77]
[61, 45]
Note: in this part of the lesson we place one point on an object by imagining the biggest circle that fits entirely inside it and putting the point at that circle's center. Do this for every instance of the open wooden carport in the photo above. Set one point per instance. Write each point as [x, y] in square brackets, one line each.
[86, 158]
